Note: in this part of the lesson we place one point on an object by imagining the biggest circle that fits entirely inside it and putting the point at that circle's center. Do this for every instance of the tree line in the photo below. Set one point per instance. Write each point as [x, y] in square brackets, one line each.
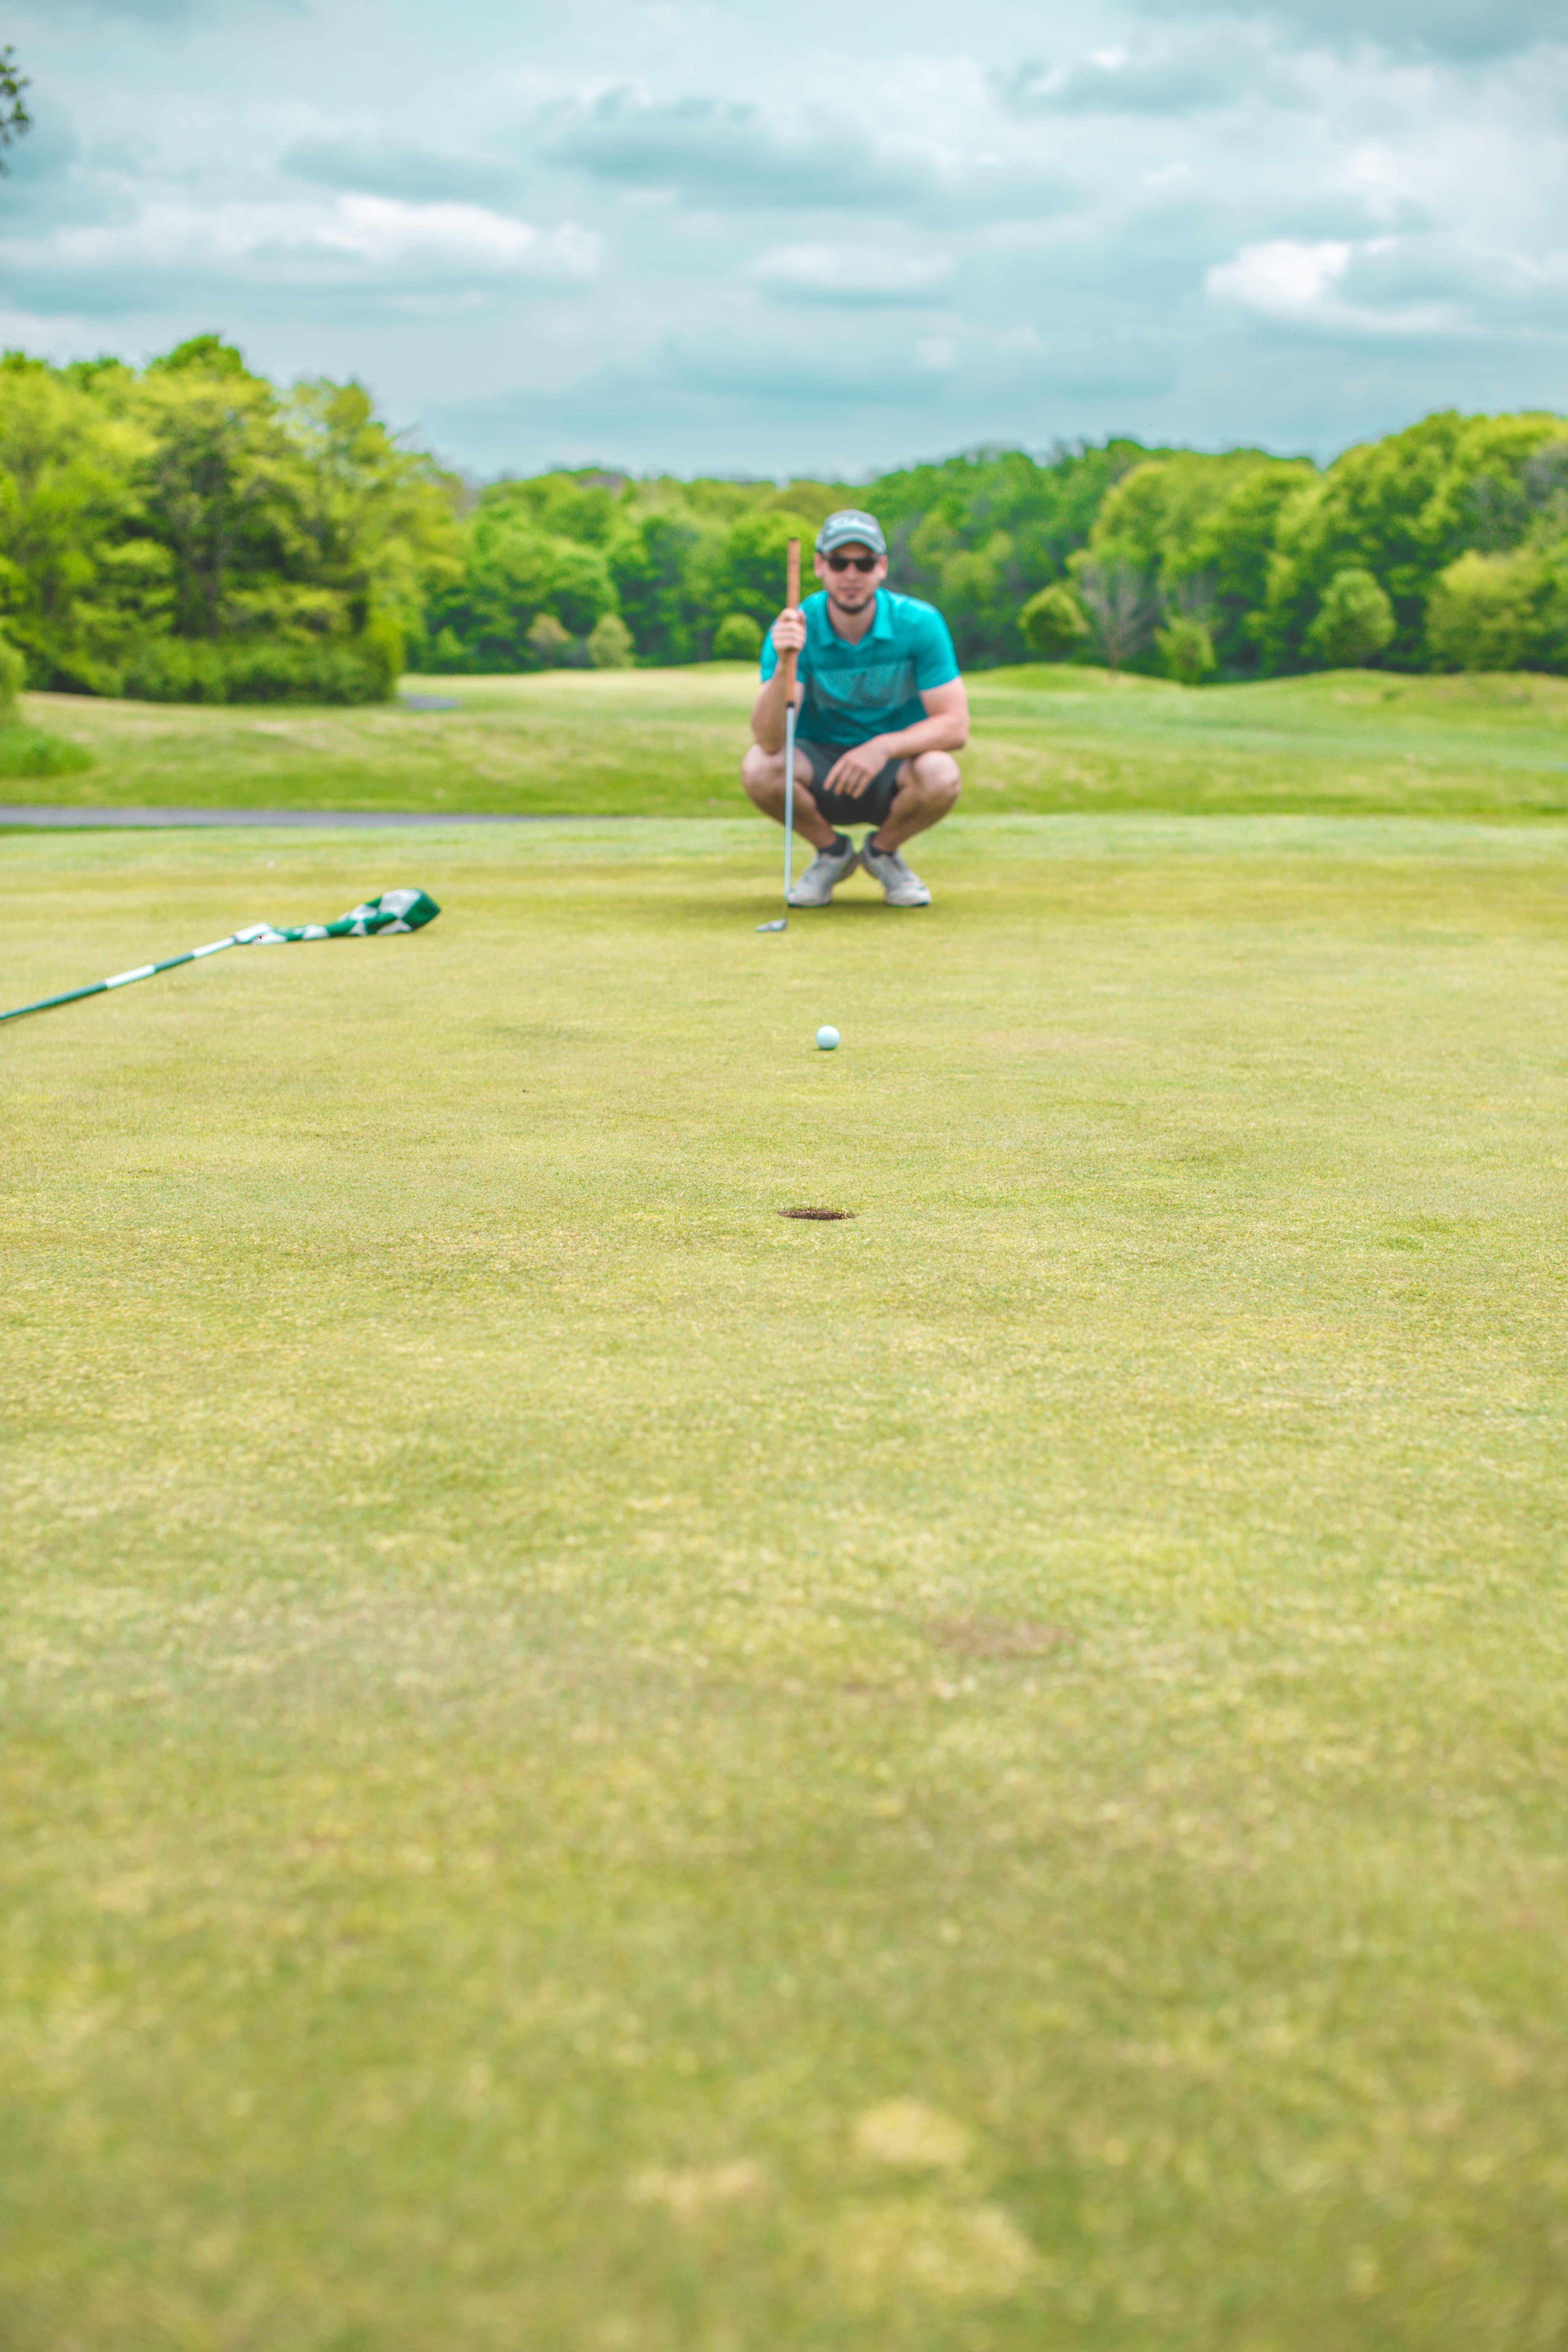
[191, 532]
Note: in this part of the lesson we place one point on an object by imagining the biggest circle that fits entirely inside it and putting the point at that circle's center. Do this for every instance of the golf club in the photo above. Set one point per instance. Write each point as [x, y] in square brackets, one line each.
[394, 910]
[792, 598]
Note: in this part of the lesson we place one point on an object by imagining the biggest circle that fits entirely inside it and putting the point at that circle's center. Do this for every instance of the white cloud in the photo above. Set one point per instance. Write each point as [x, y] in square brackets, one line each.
[1208, 67]
[1465, 30]
[1151, 215]
[1281, 278]
[852, 272]
[352, 237]
[1376, 287]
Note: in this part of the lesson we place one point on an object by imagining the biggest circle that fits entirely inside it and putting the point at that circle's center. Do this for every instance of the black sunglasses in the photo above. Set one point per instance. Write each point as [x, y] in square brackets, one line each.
[853, 562]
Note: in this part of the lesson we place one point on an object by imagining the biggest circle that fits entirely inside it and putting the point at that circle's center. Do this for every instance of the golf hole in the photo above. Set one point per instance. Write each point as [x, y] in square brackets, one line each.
[818, 1216]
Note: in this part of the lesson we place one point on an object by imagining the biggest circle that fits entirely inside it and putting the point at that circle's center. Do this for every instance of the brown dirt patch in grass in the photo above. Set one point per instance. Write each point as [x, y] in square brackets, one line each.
[995, 1637]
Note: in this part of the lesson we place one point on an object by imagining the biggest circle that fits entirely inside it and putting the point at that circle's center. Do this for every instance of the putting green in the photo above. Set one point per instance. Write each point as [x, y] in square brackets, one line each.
[589, 1766]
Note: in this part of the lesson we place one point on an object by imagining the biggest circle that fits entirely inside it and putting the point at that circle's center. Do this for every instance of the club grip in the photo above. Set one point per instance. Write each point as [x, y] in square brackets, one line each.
[792, 598]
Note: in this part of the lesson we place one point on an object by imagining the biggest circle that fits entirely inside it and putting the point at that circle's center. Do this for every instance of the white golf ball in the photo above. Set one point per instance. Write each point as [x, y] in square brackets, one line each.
[827, 1039]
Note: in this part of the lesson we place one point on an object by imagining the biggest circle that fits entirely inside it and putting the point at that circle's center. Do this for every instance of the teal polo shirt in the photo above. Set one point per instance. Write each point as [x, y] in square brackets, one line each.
[853, 692]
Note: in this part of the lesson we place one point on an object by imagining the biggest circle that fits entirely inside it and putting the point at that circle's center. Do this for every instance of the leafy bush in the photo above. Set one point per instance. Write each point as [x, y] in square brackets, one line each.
[331, 669]
[1355, 620]
[1187, 648]
[548, 642]
[30, 751]
[1501, 611]
[610, 642]
[1053, 623]
[737, 638]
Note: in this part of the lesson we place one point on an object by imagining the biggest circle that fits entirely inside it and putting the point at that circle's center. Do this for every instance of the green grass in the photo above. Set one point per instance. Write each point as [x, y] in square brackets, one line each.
[591, 1768]
[667, 743]
[37, 751]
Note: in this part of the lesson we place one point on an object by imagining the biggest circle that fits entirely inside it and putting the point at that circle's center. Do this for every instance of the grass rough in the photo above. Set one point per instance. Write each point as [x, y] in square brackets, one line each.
[591, 1765]
[34, 751]
[666, 743]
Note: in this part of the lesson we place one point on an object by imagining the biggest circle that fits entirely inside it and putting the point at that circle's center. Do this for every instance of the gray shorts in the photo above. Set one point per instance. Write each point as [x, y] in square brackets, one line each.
[869, 807]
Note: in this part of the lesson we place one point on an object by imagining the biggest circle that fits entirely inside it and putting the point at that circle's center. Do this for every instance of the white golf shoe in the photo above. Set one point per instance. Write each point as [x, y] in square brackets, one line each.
[900, 885]
[827, 870]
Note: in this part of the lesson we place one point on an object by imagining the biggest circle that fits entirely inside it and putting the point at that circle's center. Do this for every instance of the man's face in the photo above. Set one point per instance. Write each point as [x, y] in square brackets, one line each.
[848, 584]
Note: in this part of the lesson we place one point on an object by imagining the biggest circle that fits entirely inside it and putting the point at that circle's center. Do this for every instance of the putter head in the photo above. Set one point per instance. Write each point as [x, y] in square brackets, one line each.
[781, 924]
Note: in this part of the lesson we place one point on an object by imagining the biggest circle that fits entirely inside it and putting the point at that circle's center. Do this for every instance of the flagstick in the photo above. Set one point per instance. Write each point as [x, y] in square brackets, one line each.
[142, 971]
[394, 910]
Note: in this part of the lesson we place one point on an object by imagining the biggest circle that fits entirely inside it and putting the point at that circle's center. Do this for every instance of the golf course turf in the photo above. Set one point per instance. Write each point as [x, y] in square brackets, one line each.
[666, 743]
[594, 1765]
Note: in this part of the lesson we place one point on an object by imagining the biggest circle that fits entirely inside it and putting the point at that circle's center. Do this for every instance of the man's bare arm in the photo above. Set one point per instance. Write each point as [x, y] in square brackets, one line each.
[770, 704]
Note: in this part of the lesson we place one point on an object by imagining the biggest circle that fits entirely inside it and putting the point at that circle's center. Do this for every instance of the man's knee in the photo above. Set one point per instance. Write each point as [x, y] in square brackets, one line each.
[762, 773]
[935, 776]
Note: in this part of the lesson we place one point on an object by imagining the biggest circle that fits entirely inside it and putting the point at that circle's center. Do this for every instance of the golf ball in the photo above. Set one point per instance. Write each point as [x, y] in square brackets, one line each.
[827, 1039]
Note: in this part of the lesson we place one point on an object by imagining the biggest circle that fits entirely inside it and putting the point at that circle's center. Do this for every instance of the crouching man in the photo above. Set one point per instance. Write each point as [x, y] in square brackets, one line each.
[882, 710]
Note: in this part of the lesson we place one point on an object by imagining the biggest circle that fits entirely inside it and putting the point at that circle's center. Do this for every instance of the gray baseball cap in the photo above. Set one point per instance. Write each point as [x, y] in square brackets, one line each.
[850, 524]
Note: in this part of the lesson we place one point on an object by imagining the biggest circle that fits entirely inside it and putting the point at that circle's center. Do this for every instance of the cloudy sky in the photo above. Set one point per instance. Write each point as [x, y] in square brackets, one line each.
[812, 237]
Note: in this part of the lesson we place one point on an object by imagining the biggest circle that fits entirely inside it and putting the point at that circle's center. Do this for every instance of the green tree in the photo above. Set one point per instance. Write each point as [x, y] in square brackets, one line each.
[737, 638]
[610, 642]
[15, 118]
[660, 562]
[378, 521]
[1053, 623]
[1229, 554]
[811, 500]
[1508, 479]
[514, 572]
[1154, 518]
[287, 539]
[1402, 509]
[1121, 608]
[548, 642]
[1356, 621]
[578, 507]
[1187, 648]
[978, 593]
[749, 576]
[223, 490]
[13, 678]
[978, 535]
[76, 582]
[1501, 611]
[1201, 526]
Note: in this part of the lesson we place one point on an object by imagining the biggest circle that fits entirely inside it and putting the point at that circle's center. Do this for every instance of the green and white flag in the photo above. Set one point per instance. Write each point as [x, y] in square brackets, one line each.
[394, 910]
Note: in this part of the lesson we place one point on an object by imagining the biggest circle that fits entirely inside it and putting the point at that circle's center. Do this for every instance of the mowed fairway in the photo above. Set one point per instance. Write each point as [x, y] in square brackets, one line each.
[591, 1770]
